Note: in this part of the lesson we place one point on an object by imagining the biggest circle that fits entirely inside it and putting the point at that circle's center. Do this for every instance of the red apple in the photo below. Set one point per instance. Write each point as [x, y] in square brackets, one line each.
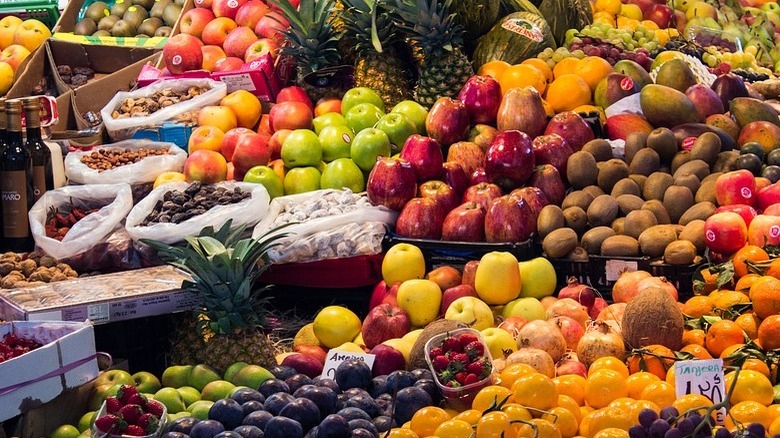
[229, 63]
[508, 220]
[260, 48]
[764, 230]
[552, 149]
[383, 293]
[533, 196]
[182, 53]
[465, 223]
[238, 41]
[469, 273]
[645, 5]
[250, 13]
[468, 154]
[290, 115]
[455, 177]
[736, 187]
[271, 26]
[747, 212]
[438, 190]
[227, 8]
[276, 141]
[424, 153]
[509, 161]
[768, 196]
[327, 104]
[482, 96]
[547, 179]
[772, 210]
[421, 218]
[203, 4]
[211, 55]
[391, 183]
[195, 20]
[251, 150]
[725, 232]
[478, 176]
[216, 30]
[314, 351]
[572, 127]
[482, 193]
[384, 322]
[229, 141]
[387, 360]
[661, 15]
[294, 93]
[447, 121]
[453, 293]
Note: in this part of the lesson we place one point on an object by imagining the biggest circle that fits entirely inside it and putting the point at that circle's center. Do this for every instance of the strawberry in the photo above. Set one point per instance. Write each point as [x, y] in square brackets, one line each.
[475, 349]
[476, 368]
[451, 344]
[137, 399]
[131, 413]
[466, 339]
[440, 363]
[155, 408]
[125, 392]
[461, 377]
[445, 376]
[112, 405]
[471, 378]
[108, 423]
[458, 361]
[436, 351]
[134, 430]
[148, 423]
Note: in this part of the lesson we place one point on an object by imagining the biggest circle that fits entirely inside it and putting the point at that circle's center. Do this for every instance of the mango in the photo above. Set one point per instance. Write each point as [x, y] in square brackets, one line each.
[620, 125]
[612, 88]
[676, 74]
[747, 109]
[666, 107]
[765, 133]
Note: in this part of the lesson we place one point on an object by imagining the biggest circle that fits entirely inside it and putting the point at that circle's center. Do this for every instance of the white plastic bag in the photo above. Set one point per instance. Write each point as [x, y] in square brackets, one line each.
[120, 129]
[144, 171]
[114, 201]
[247, 212]
[341, 241]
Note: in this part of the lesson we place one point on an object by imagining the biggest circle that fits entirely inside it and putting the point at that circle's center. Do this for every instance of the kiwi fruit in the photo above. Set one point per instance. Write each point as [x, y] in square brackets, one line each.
[688, 180]
[711, 177]
[581, 170]
[559, 243]
[694, 233]
[146, 4]
[149, 26]
[680, 252]
[163, 31]
[618, 225]
[638, 221]
[610, 172]
[662, 141]
[677, 199]
[102, 33]
[106, 23]
[599, 148]
[85, 26]
[592, 239]
[620, 246]
[697, 167]
[602, 211]
[626, 186]
[123, 29]
[578, 254]
[576, 219]
[135, 15]
[725, 161]
[158, 8]
[639, 180]
[634, 142]
[706, 192]
[594, 191]
[656, 185]
[120, 7]
[658, 209]
[171, 13]
[577, 198]
[653, 240]
[97, 11]
[550, 218]
[706, 148]
[701, 210]
[629, 203]
[645, 162]
[679, 159]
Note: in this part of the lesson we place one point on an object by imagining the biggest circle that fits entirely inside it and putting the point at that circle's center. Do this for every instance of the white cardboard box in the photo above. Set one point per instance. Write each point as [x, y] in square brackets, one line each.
[66, 360]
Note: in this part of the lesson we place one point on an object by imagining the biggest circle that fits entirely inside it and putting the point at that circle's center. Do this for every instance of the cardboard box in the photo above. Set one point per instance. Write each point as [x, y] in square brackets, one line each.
[33, 68]
[66, 360]
[101, 298]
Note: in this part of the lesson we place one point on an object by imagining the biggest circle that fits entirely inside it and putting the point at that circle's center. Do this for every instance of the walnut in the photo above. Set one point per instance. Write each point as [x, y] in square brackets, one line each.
[47, 261]
[59, 276]
[41, 275]
[10, 257]
[9, 281]
[70, 273]
[6, 267]
[62, 266]
[28, 266]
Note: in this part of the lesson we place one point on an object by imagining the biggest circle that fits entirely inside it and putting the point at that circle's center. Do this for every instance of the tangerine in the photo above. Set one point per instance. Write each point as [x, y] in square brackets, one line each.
[490, 396]
[747, 412]
[592, 69]
[564, 420]
[655, 359]
[748, 253]
[493, 68]
[756, 364]
[730, 298]
[749, 323]
[565, 66]
[427, 420]
[542, 66]
[769, 332]
[765, 296]
[723, 334]
[698, 351]
[513, 372]
[454, 429]
[521, 76]
[694, 337]
[744, 282]
[572, 385]
[661, 393]
[688, 402]
[638, 381]
[608, 362]
[698, 306]
[535, 391]
[567, 92]
[773, 269]
[604, 386]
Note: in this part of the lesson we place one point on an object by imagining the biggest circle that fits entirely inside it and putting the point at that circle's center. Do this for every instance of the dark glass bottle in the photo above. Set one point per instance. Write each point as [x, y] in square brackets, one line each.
[16, 193]
[42, 176]
[3, 145]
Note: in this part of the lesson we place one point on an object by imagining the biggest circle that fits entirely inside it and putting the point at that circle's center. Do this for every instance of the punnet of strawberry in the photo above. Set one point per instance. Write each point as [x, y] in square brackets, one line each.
[12, 346]
[129, 414]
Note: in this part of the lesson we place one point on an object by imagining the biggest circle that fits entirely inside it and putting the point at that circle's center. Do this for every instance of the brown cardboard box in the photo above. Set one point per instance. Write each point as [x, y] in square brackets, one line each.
[35, 67]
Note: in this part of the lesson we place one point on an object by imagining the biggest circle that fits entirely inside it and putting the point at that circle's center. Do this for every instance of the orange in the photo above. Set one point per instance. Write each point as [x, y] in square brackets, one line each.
[608, 362]
[612, 416]
[747, 412]
[744, 282]
[698, 351]
[535, 391]
[698, 306]
[774, 411]
[756, 364]
[566, 402]
[773, 269]
[493, 424]
[513, 372]
[493, 68]
[593, 69]
[454, 429]
[604, 17]
[749, 323]
[572, 385]
[692, 401]
[708, 283]
[765, 295]
[694, 337]
[521, 76]
[567, 92]
[542, 66]
[723, 334]
[626, 23]
[490, 396]
[610, 6]
[774, 428]
[751, 386]
[748, 253]
[670, 376]
[730, 352]
[470, 416]
[604, 386]
[655, 359]
[564, 420]
[427, 420]
[730, 298]
[400, 432]
[638, 381]
[661, 393]
[769, 332]
[565, 66]
[517, 416]
[546, 429]
[645, 404]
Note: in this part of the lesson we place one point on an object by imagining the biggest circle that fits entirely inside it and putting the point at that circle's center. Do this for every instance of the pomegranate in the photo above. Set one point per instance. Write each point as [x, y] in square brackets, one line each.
[625, 286]
[571, 330]
[613, 312]
[581, 293]
[539, 334]
[513, 324]
[539, 359]
[599, 340]
[569, 364]
[659, 282]
[571, 308]
[548, 301]
[599, 305]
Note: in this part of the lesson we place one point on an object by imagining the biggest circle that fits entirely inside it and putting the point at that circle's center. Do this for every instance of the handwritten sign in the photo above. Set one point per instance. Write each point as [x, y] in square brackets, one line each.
[703, 377]
[335, 357]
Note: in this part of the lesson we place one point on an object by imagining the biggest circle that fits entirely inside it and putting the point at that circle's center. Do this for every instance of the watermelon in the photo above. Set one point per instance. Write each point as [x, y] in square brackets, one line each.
[475, 16]
[511, 6]
[516, 37]
[563, 15]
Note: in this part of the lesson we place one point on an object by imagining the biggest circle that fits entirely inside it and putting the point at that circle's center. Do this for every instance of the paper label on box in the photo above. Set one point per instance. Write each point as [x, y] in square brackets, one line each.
[54, 315]
[335, 357]
[616, 267]
[98, 312]
[703, 377]
[238, 82]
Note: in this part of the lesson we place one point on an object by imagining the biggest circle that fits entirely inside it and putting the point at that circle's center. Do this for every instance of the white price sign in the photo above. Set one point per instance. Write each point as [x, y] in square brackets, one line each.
[335, 357]
[703, 377]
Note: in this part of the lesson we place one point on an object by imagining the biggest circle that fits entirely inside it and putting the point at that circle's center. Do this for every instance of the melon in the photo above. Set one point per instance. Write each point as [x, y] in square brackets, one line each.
[514, 38]
[475, 16]
[653, 317]
[417, 354]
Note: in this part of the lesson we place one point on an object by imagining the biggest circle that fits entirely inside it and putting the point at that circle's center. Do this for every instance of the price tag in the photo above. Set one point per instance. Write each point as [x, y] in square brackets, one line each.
[703, 377]
[614, 268]
[335, 357]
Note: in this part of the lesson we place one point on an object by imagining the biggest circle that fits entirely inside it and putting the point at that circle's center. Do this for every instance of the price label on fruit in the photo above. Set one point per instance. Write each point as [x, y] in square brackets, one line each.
[335, 357]
[703, 377]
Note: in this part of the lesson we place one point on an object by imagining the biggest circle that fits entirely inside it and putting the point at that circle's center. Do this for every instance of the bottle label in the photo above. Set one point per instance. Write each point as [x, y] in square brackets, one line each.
[39, 182]
[13, 193]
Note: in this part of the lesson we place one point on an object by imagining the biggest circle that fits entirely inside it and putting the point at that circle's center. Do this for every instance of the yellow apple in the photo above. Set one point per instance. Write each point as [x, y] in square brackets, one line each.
[8, 26]
[472, 311]
[403, 262]
[6, 77]
[14, 55]
[529, 308]
[421, 299]
[351, 347]
[335, 325]
[631, 11]
[359, 340]
[222, 117]
[412, 336]
[701, 9]
[537, 278]
[246, 106]
[399, 344]
[31, 34]
[497, 280]
[499, 341]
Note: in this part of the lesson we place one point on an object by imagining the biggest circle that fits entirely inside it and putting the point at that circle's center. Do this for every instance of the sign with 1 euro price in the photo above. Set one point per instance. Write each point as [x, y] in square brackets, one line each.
[703, 377]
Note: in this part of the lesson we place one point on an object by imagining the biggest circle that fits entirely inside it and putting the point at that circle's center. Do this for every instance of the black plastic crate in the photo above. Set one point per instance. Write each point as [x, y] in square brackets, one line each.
[565, 269]
[680, 276]
[605, 270]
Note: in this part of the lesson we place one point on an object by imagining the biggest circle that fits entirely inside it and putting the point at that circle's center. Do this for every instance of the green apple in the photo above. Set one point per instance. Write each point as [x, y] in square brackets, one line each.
[336, 141]
[177, 415]
[529, 308]
[114, 377]
[200, 409]
[252, 376]
[86, 434]
[233, 369]
[398, 128]
[328, 119]
[268, 178]
[363, 115]
[201, 375]
[416, 113]
[343, 173]
[176, 375]
[301, 180]
[65, 431]
[358, 95]
[171, 398]
[537, 278]
[146, 382]
[217, 390]
[367, 146]
[86, 420]
[99, 394]
[301, 148]
[189, 394]
[770, 7]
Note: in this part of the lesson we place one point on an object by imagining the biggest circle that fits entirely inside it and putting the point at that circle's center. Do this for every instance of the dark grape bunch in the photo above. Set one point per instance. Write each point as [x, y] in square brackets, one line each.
[686, 47]
[611, 52]
[670, 425]
[750, 76]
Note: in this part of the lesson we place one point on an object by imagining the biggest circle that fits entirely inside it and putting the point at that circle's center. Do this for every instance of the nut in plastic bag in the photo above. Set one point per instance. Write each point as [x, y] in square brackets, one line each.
[81, 169]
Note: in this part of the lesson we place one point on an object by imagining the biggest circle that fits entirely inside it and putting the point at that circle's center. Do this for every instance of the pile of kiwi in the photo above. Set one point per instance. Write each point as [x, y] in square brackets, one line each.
[653, 203]
[130, 18]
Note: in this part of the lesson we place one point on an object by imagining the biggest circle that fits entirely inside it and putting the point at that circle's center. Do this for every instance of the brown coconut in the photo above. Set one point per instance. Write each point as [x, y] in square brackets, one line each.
[417, 354]
[653, 317]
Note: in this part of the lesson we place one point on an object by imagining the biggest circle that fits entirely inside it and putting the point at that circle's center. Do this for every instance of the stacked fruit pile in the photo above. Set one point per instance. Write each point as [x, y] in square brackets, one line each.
[142, 19]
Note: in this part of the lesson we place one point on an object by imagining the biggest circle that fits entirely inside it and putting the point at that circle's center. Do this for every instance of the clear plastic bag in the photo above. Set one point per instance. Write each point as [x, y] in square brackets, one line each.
[143, 171]
[247, 212]
[120, 129]
[349, 240]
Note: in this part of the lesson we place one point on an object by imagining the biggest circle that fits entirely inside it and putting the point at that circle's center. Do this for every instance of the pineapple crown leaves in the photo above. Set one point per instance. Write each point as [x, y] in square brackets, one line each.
[429, 23]
[311, 37]
[370, 23]
[223, 267]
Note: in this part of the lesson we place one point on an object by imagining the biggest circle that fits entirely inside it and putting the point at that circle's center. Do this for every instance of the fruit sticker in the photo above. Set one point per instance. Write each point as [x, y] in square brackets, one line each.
[627, 84]
[687, 144]
[525, 28]
[746, 192]
[774, 231]
[176, 60]
[710, 236]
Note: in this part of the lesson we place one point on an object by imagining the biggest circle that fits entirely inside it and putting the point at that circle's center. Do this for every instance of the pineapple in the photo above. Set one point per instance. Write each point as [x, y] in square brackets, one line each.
[311, 42]
[378, 66]
[430, 29]
[228, 325]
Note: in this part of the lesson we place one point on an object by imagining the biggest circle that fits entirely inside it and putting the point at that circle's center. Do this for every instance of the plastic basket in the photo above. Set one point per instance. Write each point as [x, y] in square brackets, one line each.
[45, 11]
[176, 133]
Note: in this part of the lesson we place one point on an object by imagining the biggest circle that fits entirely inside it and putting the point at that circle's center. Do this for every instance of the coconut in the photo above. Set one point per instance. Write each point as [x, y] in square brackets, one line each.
[653, 317]
[417, 354]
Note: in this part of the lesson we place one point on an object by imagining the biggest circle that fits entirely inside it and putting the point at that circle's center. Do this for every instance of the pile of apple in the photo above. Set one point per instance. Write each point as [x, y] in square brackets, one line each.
[223, 35]
[18, 38]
